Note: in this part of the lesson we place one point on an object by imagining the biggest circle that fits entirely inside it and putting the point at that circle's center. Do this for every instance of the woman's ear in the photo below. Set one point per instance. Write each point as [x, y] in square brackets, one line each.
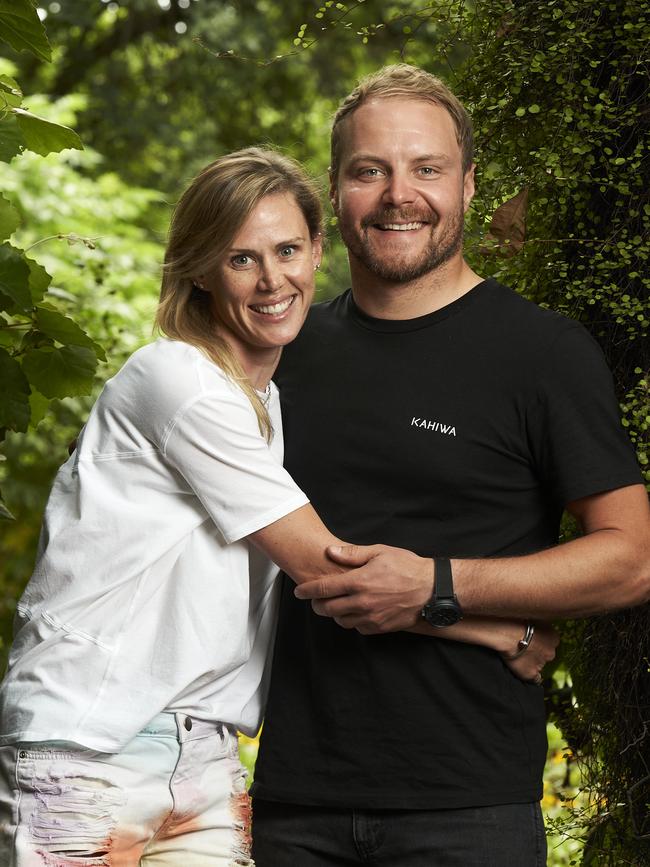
[317, 250]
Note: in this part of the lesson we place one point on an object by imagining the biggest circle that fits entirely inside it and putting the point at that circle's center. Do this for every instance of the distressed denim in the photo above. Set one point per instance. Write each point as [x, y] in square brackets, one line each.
[176, 795]
[507, 835]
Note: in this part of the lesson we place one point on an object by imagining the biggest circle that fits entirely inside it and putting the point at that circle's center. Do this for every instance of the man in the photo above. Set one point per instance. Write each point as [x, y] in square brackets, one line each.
[450, 418]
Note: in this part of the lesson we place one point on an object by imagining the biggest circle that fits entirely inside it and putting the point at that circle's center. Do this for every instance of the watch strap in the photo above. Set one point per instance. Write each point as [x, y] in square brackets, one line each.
[443, 587]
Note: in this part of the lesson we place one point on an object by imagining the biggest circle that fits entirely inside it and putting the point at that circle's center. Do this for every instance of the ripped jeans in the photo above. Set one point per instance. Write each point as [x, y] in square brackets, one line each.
[175, 795]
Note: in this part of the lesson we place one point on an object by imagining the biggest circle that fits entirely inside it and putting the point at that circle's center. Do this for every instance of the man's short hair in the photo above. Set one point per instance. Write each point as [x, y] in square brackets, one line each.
[408, 82]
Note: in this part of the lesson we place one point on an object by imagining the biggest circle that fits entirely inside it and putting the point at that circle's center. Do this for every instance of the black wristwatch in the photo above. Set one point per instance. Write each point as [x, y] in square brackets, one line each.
[443, 608]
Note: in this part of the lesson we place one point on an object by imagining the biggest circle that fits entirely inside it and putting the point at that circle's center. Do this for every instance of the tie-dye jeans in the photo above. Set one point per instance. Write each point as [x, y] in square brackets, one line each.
[176, 795]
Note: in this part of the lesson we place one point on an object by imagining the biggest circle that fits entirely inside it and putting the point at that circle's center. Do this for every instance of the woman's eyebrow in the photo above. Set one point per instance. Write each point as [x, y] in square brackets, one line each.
[240, 250]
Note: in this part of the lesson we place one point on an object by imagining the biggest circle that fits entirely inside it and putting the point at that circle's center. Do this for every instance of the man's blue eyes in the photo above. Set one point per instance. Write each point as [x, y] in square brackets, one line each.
[427, 171]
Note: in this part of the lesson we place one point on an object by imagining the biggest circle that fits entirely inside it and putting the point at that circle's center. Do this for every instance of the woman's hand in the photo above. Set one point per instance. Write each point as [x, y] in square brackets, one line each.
[503, 636]
[528, 666]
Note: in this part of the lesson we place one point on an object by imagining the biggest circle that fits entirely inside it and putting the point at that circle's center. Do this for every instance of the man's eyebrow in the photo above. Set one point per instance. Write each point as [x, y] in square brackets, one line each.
[433, 158]
[420, 158]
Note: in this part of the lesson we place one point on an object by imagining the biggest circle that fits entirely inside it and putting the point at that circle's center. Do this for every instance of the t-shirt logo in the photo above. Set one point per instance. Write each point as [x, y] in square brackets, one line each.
[437, 426]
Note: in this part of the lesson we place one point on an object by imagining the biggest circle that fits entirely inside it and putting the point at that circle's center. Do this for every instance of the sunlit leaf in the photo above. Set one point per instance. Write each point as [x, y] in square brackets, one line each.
[44, 137]
[9, 219]
[10, 93]
[39, 406]
[21, 27]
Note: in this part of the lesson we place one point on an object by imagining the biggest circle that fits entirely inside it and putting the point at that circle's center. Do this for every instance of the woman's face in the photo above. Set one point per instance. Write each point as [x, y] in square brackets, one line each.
[262, 289]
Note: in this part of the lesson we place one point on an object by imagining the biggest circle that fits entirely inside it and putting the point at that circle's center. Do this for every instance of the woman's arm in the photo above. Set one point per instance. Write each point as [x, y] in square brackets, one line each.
[297, 543]
[503, 636]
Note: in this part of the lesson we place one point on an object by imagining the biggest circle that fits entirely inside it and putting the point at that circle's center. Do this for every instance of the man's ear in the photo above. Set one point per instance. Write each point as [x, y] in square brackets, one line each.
[468, 187]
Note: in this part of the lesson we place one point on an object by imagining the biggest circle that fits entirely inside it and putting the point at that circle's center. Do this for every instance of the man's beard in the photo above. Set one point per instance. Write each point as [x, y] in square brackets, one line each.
[392, 269]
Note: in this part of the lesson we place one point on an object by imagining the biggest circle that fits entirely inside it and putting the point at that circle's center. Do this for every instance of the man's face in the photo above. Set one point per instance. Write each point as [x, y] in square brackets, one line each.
[401, 194]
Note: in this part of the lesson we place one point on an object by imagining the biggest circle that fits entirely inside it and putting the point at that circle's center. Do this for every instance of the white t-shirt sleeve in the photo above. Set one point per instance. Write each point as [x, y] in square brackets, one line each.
[215, 443]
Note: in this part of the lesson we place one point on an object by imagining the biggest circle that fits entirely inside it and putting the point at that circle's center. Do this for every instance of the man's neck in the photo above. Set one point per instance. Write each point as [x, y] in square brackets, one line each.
[387, 300]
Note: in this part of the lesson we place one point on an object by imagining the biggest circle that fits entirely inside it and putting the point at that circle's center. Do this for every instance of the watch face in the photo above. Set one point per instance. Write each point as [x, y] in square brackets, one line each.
[442, 613]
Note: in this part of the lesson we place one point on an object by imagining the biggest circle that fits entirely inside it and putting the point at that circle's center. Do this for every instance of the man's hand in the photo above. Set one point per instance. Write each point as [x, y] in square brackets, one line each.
[387, 595]
[541, 650]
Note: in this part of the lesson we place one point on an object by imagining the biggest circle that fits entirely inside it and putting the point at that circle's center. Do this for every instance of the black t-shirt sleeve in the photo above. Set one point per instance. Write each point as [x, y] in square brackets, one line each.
[578, 443]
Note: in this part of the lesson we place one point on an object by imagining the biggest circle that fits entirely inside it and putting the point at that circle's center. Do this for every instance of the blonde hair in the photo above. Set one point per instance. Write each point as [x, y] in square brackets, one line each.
[409, 82]
[207, 217]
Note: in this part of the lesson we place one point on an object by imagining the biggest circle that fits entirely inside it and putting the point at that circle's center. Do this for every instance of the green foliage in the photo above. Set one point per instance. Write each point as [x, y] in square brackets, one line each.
[586, 245]
[37, 356]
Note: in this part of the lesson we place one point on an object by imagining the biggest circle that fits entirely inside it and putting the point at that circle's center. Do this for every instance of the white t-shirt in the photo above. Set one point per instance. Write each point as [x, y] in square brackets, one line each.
[146, 596]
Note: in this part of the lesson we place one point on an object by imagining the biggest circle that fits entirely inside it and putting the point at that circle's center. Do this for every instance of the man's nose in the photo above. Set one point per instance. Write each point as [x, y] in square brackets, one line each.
[399, 189]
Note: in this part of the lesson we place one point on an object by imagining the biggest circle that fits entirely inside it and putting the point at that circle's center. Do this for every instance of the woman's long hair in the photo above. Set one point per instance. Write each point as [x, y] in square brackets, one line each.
[206, 219]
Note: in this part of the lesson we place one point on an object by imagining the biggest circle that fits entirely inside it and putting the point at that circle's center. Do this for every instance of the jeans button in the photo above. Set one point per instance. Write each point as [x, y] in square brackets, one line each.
[188, 724]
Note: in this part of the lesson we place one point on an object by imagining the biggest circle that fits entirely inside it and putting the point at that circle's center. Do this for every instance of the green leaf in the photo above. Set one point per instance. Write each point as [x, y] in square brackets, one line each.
[65, 330]
[21, 27]
[42, 136]
[12, 141]
[5, 514]
[11, 95]
[534, 108]
[9, 219]
[65, 372]
[39, 406]
[14, 395]
[39, 279]
[34, 339]
[14, 276]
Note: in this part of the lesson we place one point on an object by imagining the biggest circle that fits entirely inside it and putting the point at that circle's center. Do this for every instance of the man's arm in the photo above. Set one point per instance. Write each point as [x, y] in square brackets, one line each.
[297, 543]
[606, 569]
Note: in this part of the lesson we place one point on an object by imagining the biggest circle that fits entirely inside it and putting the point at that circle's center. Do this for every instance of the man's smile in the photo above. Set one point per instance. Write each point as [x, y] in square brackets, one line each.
[399, 227]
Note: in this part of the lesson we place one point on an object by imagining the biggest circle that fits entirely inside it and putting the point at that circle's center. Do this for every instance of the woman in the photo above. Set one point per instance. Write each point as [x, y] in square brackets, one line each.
[142, 638]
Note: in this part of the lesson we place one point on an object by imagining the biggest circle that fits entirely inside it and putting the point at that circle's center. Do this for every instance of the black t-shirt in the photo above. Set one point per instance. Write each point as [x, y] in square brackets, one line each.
[460, 433]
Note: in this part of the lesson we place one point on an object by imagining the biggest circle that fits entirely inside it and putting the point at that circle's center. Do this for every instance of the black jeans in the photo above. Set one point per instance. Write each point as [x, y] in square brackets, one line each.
[287, 835]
